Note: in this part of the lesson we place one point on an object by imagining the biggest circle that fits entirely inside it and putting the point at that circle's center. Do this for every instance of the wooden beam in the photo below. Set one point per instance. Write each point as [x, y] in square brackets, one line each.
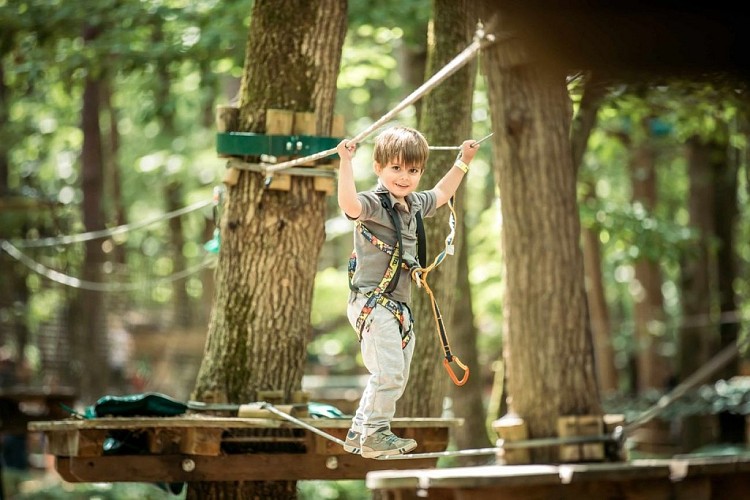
[251, 467]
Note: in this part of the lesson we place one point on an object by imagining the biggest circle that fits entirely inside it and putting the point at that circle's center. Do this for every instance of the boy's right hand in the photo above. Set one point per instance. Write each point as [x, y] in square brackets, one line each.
[346, 150]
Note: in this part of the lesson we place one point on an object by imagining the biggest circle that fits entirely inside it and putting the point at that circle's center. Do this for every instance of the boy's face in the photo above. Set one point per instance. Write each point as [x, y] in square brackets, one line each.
[399, 179]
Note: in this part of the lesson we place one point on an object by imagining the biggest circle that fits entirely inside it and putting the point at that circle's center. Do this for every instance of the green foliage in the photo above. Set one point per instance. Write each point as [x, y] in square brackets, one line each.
[731, 396]
[333, 490]
[102, 491]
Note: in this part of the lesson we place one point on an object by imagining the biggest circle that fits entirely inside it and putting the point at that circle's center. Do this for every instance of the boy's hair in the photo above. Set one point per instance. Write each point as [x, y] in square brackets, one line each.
[403, 144]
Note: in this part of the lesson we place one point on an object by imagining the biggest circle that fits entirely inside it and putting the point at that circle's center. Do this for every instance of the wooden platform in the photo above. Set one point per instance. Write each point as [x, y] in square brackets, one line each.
[716, 478]
[203, 448]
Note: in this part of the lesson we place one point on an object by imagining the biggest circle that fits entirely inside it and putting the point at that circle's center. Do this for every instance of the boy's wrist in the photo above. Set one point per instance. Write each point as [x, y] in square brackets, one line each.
[460, 164]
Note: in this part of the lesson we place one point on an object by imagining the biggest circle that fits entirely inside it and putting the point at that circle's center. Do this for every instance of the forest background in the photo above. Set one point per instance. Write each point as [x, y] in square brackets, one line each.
[167, 66]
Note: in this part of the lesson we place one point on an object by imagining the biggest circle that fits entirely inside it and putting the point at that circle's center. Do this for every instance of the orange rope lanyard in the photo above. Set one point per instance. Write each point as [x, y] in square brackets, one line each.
[419, 275]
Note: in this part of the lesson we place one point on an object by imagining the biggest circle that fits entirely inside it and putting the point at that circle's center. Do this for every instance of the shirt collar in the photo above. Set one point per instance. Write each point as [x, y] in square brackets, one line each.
[394, 202]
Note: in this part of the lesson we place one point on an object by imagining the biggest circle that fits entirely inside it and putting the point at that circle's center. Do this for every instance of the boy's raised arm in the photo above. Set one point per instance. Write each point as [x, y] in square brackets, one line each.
[447, 186]
[347, 190]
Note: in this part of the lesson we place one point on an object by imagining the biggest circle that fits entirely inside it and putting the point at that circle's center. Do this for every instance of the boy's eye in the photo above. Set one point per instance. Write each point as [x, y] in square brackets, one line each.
[414, 171]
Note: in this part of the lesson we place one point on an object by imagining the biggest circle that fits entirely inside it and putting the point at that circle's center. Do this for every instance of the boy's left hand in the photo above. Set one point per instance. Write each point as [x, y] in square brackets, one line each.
[468, 149]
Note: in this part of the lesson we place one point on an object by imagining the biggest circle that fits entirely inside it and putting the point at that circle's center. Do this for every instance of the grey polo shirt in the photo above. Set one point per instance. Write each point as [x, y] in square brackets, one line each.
[371, 261]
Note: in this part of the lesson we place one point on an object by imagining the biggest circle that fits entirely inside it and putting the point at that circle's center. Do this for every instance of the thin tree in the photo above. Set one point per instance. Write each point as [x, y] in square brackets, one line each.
[87, 321]
[270, 240]
[594, 90]
[449, 103]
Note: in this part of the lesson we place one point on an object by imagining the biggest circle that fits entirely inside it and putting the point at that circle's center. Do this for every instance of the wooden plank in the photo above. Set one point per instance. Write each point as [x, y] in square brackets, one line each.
[199, 420]
[231, 176]
[201, 441]
[278, 122]
[512, 428]
[76, 443]
[250, 467]
[227, 118]
[581, 425]
[304, 124]
[325, 184]
[338, 129]
[163, 441]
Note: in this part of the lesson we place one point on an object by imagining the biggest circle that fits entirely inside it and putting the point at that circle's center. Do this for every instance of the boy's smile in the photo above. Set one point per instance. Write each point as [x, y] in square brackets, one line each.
[400, 180]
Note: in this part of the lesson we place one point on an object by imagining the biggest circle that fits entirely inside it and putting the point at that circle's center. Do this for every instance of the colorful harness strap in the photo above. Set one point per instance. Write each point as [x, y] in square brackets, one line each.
[377, 296]
[390, 278]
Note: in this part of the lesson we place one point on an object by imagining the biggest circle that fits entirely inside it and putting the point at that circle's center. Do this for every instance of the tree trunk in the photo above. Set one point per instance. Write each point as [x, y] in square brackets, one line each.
[450, 103]
[4, 145]
[731, 425]
[653, 368]
[91, 354]
[118, 215]
[550, 363]
[467, 400]
[260, 323]
[583, 123]
[698, 337]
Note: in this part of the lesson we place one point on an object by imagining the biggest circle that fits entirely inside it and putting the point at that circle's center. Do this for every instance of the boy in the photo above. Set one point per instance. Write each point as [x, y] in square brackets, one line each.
[385, 245]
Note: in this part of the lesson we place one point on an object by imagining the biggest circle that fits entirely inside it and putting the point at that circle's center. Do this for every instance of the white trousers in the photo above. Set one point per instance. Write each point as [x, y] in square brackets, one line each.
[387, 363]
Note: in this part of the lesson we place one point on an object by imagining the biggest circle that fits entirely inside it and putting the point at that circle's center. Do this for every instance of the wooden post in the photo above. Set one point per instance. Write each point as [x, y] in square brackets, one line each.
[304, 124]
[338, 129]
[581, 425]
[227, 120]
[511, 428]
[280, 122]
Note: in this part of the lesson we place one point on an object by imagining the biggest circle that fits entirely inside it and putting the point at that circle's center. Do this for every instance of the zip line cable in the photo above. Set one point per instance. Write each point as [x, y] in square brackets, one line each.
[94, 286]
[104, 233]
[12, 248]
[713, 365]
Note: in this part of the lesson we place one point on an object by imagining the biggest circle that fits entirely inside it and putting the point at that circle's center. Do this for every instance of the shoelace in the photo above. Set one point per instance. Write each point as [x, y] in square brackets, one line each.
[390, 437]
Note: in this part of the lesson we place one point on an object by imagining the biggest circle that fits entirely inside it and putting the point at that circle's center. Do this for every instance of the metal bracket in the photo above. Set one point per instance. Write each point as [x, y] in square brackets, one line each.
[249, 144]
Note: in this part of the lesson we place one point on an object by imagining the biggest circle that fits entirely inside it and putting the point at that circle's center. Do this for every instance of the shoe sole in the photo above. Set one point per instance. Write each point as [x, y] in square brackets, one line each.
[352, 449]
[386, 453]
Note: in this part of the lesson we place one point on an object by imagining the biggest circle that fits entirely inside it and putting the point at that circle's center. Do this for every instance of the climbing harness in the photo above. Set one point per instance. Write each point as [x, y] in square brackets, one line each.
[417, 272]
[392, 273]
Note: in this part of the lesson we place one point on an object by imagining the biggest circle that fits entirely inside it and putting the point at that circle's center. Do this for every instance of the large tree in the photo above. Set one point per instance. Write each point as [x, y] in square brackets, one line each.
[548, 349]
[270, 240]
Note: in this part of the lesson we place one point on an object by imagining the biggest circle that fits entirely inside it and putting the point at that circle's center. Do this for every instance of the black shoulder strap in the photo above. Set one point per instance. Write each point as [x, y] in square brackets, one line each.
[421, 242]
[385, 200]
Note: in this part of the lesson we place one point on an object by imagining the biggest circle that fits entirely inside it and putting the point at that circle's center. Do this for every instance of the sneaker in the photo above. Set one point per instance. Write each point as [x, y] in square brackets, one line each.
[384, 443]
[352, 444]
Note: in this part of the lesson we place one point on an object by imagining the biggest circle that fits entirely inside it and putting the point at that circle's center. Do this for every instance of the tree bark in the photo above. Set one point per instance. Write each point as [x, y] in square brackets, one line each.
[698, 337]
[550, 362]
[653, 367]
[731, 425]
[446, 119]
[584, 121]
[260, 323]
[90, 352]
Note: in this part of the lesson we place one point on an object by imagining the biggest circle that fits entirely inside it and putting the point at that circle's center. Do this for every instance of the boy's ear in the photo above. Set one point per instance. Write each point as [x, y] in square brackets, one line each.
[376, 167]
